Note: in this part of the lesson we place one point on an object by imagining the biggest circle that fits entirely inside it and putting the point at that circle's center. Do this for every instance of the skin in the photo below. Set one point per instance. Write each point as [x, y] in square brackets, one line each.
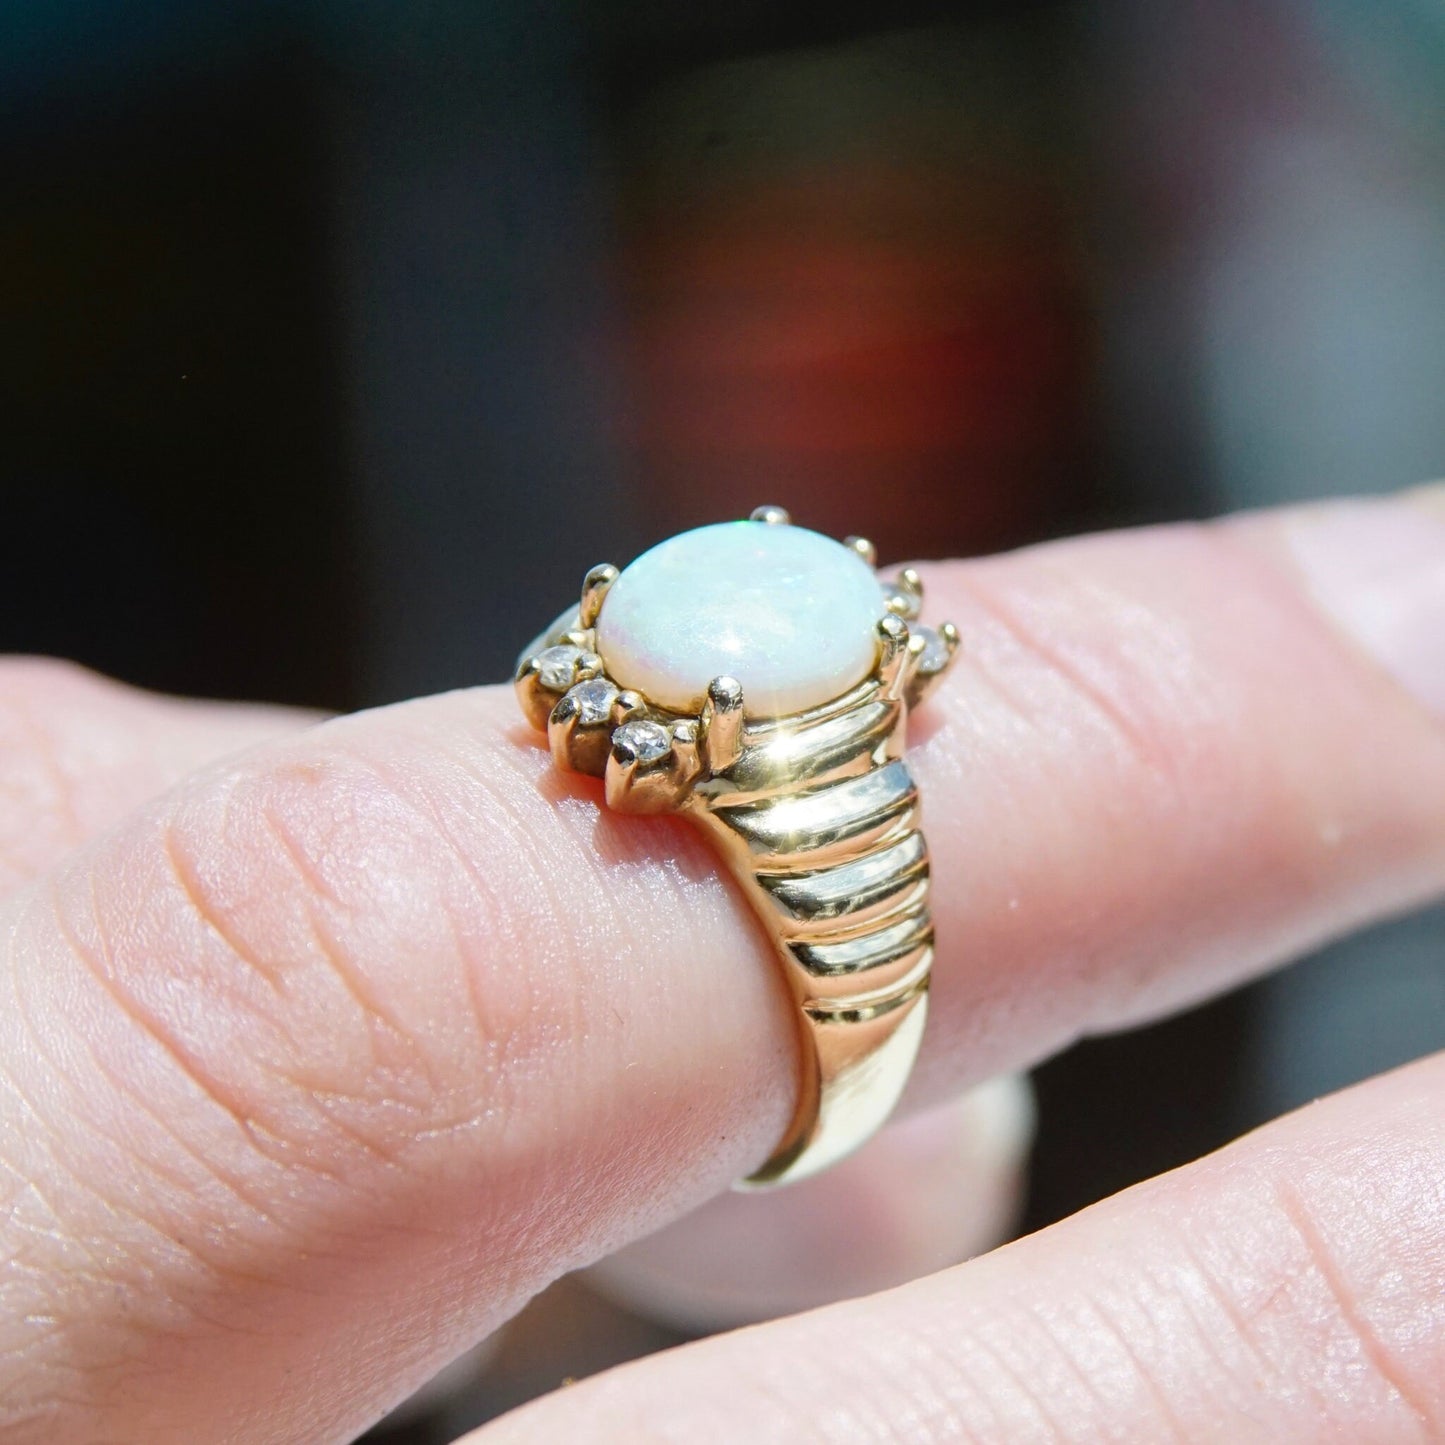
[325, 1046]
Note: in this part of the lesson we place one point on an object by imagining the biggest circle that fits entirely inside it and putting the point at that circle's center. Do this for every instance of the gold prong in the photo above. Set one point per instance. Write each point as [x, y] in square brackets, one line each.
[864, 548]
[686, 751]
[921, 684]
[594, 589]
[911, 582]
[892, 653]
[773, 516]
[720, 731]
[561, 727]
[912, 656]
[630, 790]
[536, 701]
[629, 704]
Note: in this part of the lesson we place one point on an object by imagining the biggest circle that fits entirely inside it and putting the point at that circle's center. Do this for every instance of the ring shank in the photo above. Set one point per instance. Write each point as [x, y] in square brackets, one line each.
[853, 1072]
[818, 824]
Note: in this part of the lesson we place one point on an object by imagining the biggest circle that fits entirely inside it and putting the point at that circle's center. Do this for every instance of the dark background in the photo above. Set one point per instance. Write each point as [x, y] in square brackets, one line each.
[337, 341]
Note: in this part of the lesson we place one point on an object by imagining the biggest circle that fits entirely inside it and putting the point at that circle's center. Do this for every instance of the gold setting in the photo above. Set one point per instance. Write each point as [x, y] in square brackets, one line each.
[815, 813]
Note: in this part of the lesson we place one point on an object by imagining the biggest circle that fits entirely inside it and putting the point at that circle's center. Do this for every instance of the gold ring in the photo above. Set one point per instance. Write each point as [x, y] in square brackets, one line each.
[757, 677]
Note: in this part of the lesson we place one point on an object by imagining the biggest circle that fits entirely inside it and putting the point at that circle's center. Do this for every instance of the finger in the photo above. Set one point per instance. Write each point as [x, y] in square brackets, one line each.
[347, 1047]
[1160, 767]
[1291, 1287]
[929, 1191]
[78, 752]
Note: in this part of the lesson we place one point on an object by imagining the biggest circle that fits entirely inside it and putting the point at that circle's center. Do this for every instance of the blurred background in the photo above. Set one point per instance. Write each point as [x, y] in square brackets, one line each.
[333, 335]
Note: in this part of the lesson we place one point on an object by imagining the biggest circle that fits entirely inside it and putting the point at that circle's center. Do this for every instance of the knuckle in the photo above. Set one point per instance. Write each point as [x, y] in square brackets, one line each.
[300, 943]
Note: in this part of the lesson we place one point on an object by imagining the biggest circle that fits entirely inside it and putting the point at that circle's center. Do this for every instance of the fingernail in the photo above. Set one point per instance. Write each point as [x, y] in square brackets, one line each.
[1378, 569]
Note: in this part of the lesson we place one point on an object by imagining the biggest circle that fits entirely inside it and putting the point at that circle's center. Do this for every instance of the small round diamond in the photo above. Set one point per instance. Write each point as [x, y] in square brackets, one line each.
[592, 701]
[557, 667]
[642, 740]
[934, 657]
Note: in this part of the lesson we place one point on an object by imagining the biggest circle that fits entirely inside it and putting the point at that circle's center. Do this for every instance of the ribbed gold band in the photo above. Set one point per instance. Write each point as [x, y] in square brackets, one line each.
[818, 820]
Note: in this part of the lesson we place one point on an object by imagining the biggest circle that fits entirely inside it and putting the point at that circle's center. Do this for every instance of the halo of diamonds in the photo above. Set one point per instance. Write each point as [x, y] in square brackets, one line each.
[652, 756]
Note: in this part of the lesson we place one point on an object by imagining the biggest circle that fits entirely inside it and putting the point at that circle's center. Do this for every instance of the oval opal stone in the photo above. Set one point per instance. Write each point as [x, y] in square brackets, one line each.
[788, 612]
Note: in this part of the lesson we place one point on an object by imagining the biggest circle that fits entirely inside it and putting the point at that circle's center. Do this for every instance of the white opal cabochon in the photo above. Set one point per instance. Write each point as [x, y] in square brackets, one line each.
[791, 614]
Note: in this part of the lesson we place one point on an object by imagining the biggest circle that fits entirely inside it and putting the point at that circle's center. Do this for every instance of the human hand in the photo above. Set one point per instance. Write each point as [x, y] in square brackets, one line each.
[317, 1061]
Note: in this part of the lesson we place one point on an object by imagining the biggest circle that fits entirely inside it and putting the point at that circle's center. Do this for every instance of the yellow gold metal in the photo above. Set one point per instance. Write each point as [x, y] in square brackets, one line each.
[538, 699]
[720, 727]
[628, 705]
[816, 815]
[594, 589]
[864, 548]
[579, 729]
[773, 516]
